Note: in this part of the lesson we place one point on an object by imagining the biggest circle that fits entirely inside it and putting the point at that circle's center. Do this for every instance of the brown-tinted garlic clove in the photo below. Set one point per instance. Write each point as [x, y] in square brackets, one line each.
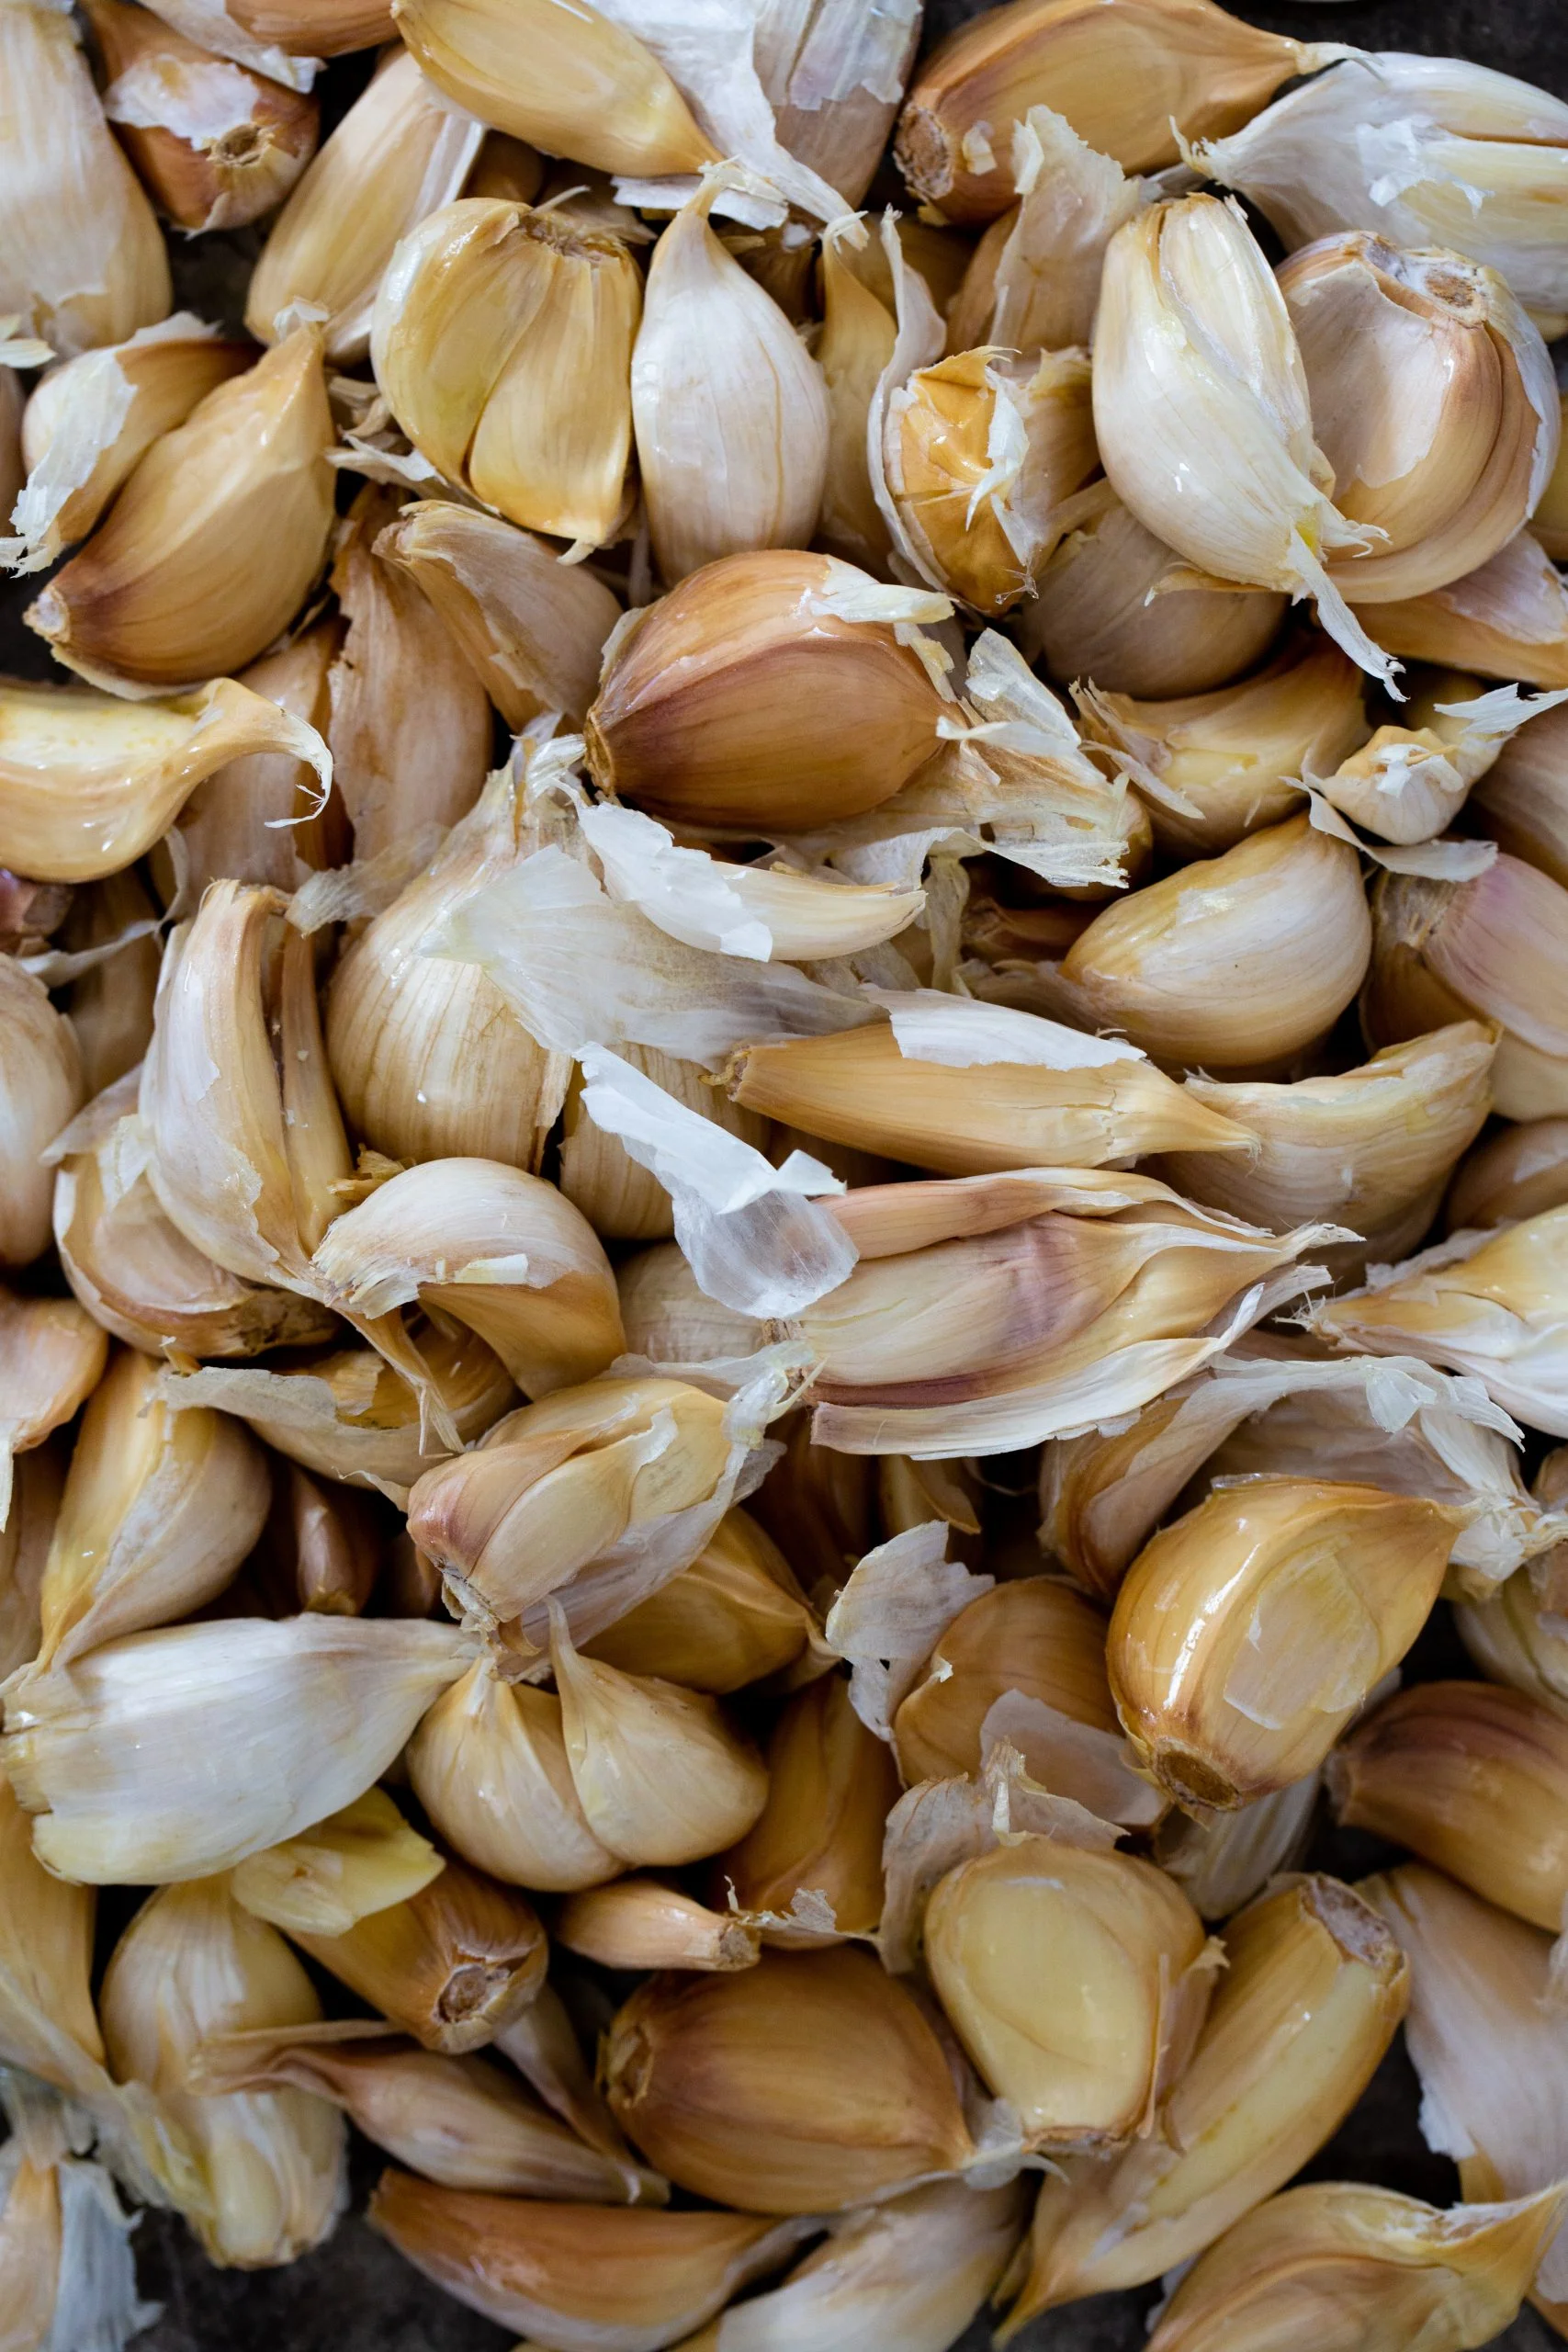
[810, 2082]
[1248, 1633]
[640, 1923]
[214, 541]
[1033, 1636]
[831, 1785]
[40, 1088]
[38, 1479]
[735, 1616]
[451, 1965]
[489, 1763]
[324, 1545]
[623, 1200]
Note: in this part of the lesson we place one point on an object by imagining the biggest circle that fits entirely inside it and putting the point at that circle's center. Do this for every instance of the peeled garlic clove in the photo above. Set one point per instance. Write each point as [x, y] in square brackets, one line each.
[1201, 416]
[1237, 754]
[85, 262]
[1033, 1636]
[669, 1320]
[1495, 948]
[458, 2121]
[141, 1279]
[489, 1764]
[495, 1250]
[1248, 1632]
[450, 1965]
[1424, 150]
[1366, 2270]
[295, 1719]
[396, 154]
[160, 1508]
[1119, 75]
[40, 1088]
[88, 781]
[579, 85]
[490, 318]
[1516, 1173]
[1473, 1779]
[810, 2082]
[1507, 619]
[1370, 1149]
[733, 1617]
[732, 411]
[262, 817]
[660, 1774]
[1521, 802]
[982, 455]
[409, 723]
[856, 343]
[584, 2276]
[1312, 1995]
[1114, 605]
[215, 145]
[427, 1059]
[214, 540]
[341, 1871]
[640, 1923]
[1077, 1981]
[774, 689]
[831, 1785]
[272, 2165]
[1282, 917]
[89, 421]
[1433, 401]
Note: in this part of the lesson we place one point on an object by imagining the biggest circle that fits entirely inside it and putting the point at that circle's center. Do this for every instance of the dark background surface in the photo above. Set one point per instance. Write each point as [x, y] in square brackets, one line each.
[355, 2294]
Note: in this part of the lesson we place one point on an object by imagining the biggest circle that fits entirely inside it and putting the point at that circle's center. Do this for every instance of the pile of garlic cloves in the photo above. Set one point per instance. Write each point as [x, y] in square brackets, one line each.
[784, 1165]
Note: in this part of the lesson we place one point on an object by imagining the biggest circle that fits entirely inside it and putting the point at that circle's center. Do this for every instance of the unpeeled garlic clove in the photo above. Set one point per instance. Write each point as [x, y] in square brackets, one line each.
[295, 1719]
[37, 1481]
[1075, 1981]
[458, 2121]
[1365, 2270]
[1282, 917]
[579, 86]
[661, 1777]
[215, 144]
[768, 690]
[810, 2082]
[735, 1616]
[305, 29]
[1495, 948]
[732, 411]
[160, 1508]
[114, 927]
[1115, 606]
[833, 76]
[581, 2276]
[88, 781]
[1515, 1637]
[489, 1764]
[40, 1088]
[1521, 802]
[451, 1965]
[1474, 1780]
[1549, 524]
[263, 818]
[640, 1923]
[1433, 401]
[1201, 416]
[1422, 151]
[272, 2165]
[1222, 1862]
[396, 154]
[1119, 75]
[48, 2023]
[855, 345]
[1236, 755]
[51, 1358]
[324, 1881]
[1312, 1995]
[1033, 1636]
[1509, 619]
[1248, 1633]
[982, 455]
[621, 1198]
[1034, 280]
[669, 1319]
[1370, 1149]
[831, 1785]
[428, 1060]
[88, 420]
[490, 322]
[85, 262]
[1407, 783]
[214, 541]
[1516, 1173]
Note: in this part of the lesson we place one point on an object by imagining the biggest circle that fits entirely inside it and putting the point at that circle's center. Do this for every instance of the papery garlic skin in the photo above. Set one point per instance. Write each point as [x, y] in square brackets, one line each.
[1424, 150]
[396, 154]
[1433, 400]
[1033, 281]
[1248, 1632]
[40, 1088]
[732, 411]
[834, 73]
[272, 2164]
[85, 263]
[296, 1718]
[1202, 415]
[489, 1765]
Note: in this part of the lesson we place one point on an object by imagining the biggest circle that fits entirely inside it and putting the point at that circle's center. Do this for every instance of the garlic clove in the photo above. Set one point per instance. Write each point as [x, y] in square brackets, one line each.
[489, 1764]
[1520, 802]
[37, 1481]
[621, 1199]
[451, 1965]
[668, 1320]
[818, 1841]
[1033, 281]
[735, 1616]
[1507, 619]
[40, 1090]
[855, 345]
[1518, 1172]
[640, 1923]
[52, 1360]
[262, 817]
[833, 78]
[1033, 1636]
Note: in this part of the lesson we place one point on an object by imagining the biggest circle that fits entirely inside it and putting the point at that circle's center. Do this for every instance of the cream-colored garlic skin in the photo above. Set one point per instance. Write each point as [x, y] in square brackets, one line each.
[489, 1763]
[1507, 619]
